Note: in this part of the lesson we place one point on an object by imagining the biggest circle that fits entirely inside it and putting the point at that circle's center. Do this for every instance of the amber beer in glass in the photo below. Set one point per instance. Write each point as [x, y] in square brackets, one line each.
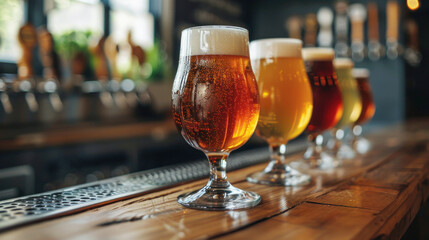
[286, 105]
[327, 104]
[352, 107]
[216, 107]
[360, 144]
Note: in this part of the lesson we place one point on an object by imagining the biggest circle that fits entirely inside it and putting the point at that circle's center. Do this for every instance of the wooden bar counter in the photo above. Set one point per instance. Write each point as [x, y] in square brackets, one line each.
[375, 196]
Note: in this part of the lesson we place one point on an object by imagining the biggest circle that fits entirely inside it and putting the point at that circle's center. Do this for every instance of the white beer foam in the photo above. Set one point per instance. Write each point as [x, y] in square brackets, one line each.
[276, 47]
[343, 63]
[318, 54]
[214, 40]
[360, 73]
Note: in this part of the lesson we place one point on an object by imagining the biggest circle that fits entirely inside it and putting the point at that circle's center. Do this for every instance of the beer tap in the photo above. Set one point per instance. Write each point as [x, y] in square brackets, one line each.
[392, 31]
[4, 97]
[111, 50]
[138, 59]
[102, 73]
[375, 49]
[130, 90]
[27, 38]
[341, 29]
[310, 30]
[325, 18]
[411, 53]
[294, 26]
[357, 13]
[50, 61]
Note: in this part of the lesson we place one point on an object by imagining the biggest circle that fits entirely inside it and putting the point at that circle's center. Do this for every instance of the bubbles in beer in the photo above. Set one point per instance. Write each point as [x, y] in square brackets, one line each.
[216, 104]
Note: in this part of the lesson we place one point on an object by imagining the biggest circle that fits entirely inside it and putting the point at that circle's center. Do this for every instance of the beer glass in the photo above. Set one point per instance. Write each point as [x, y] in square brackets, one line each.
[286, 105]
[215, 104]
[360, 144]
[327, 105]
[352, 107]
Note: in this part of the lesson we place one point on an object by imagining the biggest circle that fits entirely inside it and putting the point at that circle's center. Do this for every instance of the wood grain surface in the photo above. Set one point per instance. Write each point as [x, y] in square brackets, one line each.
[375, 196]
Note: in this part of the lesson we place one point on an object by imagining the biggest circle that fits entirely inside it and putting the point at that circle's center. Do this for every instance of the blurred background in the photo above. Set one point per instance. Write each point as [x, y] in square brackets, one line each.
[85, 85]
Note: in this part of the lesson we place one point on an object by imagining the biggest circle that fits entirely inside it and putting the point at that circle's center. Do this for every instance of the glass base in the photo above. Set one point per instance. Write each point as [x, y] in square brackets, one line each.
[345, 152]
[319, 160]
[279, 175]
[340, 150]
[361, 145]
[219, 198]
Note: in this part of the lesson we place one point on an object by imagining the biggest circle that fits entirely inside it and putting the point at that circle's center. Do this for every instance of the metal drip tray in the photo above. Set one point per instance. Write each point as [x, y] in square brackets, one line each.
[18, 211]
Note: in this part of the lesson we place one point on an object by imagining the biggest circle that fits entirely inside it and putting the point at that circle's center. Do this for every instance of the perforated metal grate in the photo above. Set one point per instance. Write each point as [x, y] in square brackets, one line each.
[32, 208]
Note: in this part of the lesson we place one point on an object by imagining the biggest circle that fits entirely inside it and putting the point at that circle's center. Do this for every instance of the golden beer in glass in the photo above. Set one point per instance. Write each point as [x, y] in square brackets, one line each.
[352, 103]
[286, 105]
[352, 107]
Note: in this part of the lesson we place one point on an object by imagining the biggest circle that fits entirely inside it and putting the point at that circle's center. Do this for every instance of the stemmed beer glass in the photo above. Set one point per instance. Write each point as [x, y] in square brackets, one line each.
[352, 107]
[327, 105]
[360, 144]
[216, 107]
[286, 105]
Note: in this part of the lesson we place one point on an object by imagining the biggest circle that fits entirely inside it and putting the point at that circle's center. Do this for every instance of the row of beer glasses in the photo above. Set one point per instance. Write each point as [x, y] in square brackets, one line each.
[218, 102]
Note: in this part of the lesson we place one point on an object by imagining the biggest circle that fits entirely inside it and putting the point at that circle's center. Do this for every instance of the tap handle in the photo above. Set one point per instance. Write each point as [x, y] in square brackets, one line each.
[375, 49]
[31, 101]
[27, 39]
[341, 29]
[325, 18]
[5, 101]
[392, 31]
[357, 13]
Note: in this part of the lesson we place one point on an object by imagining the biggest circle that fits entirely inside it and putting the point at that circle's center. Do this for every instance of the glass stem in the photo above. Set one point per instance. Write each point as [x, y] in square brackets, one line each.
[357, 132]
[278, 162]
[316, 141]
[278, 153]
[218, 177]
[338, 135]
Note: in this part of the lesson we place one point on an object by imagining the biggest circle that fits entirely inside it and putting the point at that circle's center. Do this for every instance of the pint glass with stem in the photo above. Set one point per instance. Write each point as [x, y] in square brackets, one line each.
[352, 107]
[360, 144]
[286, 105]
[327, 105]
[215, 104]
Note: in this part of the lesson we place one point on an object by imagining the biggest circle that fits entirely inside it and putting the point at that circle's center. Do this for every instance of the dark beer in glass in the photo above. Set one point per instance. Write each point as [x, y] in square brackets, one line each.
[327, 104]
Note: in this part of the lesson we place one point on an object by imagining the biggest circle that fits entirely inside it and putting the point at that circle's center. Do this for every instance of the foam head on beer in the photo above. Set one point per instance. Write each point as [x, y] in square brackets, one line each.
[276, 47]
[343, 63]
[360, 73]
[214, 40]
[318, 54]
